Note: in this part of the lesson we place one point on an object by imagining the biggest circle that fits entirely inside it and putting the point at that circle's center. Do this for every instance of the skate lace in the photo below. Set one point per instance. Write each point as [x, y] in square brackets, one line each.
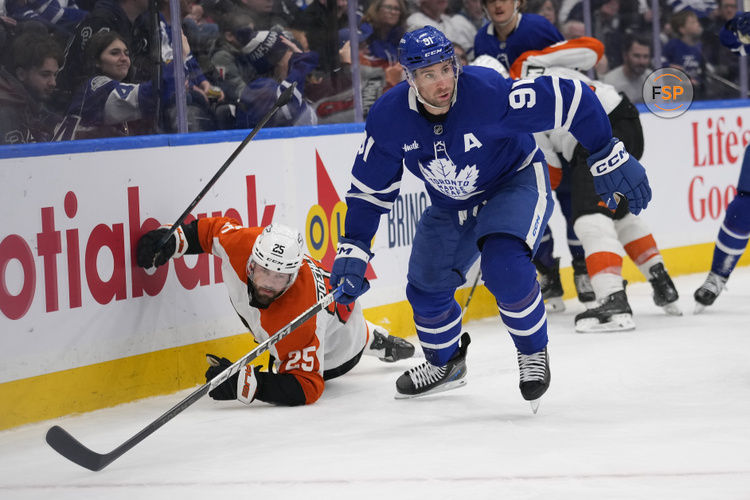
[714, 283]
[532, 366]
[426, 374]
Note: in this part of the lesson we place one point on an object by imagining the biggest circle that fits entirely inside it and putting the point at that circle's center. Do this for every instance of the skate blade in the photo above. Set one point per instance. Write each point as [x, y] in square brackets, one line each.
[535, 405]
[698, 308]
[618, 323]
[554, 305]
[455, 384]
[672, 309]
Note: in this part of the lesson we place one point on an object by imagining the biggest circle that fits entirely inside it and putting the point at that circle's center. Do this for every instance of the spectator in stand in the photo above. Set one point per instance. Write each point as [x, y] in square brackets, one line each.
[685, 52]
[456, 28]
[387, 19]
[545, 8]
[60, 18]
[607, 27]
[106, 106]
[473, 11]
[702, 8]
[24, 117]
[200, 93]
[269, 14]
[631, 75]
[509, 33]
[107, 15]
[314, 29]
[722, 64]
[233, 68]
[279, 63]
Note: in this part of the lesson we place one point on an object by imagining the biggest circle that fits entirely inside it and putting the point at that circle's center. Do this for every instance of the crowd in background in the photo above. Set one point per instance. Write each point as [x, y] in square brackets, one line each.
[73, 69]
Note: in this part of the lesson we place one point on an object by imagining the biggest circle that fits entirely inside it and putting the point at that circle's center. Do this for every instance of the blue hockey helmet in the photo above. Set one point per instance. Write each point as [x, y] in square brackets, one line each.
[424, 47]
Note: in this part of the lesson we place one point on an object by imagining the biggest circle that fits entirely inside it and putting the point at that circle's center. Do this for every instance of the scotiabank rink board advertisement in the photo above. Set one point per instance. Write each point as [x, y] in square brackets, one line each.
[71, 294]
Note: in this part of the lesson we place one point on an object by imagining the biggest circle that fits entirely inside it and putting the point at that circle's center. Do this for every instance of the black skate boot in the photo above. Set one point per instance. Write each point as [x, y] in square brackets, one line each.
[429, 379]
[389, 348]
[549, 281]
[612, 315]
[665, 294]
[708, 291]
[535, 376]
[582, 281]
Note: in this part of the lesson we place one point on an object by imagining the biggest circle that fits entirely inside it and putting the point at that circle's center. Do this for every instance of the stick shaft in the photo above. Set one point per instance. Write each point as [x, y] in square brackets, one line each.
[280, 102]
[72, 449]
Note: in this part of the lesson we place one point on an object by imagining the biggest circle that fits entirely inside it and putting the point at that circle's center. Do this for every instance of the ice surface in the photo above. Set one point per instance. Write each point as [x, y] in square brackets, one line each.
[659, 413]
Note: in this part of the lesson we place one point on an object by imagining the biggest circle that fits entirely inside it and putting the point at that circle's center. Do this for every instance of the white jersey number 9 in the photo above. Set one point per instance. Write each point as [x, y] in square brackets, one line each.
[522, 97]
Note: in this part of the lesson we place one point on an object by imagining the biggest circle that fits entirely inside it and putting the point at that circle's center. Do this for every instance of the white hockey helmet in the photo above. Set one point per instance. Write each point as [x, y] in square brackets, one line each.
[278, 248]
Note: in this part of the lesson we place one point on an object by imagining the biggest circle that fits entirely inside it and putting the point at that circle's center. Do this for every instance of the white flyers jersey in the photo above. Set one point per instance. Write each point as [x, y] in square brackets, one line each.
[332, 337]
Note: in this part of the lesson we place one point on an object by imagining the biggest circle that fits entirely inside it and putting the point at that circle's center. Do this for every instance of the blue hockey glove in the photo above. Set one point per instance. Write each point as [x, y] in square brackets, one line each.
[349, 269]
[616, 173]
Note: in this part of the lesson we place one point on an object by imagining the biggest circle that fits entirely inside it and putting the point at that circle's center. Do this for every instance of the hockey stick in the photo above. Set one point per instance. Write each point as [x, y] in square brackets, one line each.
[471, 293]
[280, 102]
[72, 449]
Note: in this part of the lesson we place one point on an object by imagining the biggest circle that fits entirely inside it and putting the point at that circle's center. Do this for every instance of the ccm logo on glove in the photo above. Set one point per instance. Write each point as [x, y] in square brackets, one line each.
[617, 157]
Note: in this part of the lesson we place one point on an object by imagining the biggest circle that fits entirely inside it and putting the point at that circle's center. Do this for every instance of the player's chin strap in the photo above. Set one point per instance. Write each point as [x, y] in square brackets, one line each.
[413, 85]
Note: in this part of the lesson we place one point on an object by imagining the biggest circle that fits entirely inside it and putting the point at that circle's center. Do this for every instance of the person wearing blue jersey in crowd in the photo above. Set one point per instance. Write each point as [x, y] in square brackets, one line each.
[510, 33]
[467, 134]
[105, 105]
[735, 228]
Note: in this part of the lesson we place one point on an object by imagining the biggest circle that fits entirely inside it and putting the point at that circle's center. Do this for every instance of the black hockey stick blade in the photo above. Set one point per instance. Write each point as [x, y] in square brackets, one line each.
[281, 101]
[66, 445]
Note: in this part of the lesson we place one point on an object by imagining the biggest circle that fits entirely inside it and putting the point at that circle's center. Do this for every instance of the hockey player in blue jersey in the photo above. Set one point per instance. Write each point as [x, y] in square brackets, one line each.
[735, 228]
[467, 135]
[510, 33]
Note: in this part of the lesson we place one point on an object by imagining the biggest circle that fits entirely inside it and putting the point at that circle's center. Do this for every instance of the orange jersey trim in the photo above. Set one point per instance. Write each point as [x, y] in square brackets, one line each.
[584, 42]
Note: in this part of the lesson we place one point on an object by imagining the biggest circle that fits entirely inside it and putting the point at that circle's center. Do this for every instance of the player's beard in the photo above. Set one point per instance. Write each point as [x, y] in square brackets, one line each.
[258, 299]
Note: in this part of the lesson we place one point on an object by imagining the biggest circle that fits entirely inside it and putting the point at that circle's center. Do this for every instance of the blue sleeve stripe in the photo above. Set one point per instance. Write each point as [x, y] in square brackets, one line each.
[573, 104]
[368, 190]
[368, 198]
[558, 102]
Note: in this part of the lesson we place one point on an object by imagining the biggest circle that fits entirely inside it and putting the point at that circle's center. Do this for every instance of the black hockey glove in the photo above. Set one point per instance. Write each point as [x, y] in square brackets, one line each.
[148, 255]
[227, 390]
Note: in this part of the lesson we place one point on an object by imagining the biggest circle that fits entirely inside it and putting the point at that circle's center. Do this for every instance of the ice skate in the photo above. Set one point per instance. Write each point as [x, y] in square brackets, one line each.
[534, 376]
[612, 315]
[389, 348]
[708, 291]
[549, 280]
[665, 294]
[584, 290]
[430, 379]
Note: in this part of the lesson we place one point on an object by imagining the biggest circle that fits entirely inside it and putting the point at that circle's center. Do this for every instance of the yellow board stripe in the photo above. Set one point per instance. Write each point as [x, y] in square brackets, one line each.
[163, 372]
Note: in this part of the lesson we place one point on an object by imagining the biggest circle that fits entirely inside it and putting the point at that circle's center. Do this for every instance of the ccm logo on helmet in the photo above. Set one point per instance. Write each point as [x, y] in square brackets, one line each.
[433, 52]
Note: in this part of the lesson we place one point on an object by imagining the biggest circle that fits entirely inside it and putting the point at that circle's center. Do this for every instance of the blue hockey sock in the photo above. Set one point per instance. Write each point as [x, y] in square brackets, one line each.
[437, 317]
[511, 277]
[733, 235]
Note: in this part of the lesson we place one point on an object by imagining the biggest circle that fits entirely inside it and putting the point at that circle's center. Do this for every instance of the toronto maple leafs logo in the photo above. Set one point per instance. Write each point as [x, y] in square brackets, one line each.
[442, 174]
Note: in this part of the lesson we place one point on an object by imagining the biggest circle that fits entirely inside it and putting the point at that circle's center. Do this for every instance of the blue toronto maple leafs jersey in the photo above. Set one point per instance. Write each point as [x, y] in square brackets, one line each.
[481, 142]
[533, 32]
